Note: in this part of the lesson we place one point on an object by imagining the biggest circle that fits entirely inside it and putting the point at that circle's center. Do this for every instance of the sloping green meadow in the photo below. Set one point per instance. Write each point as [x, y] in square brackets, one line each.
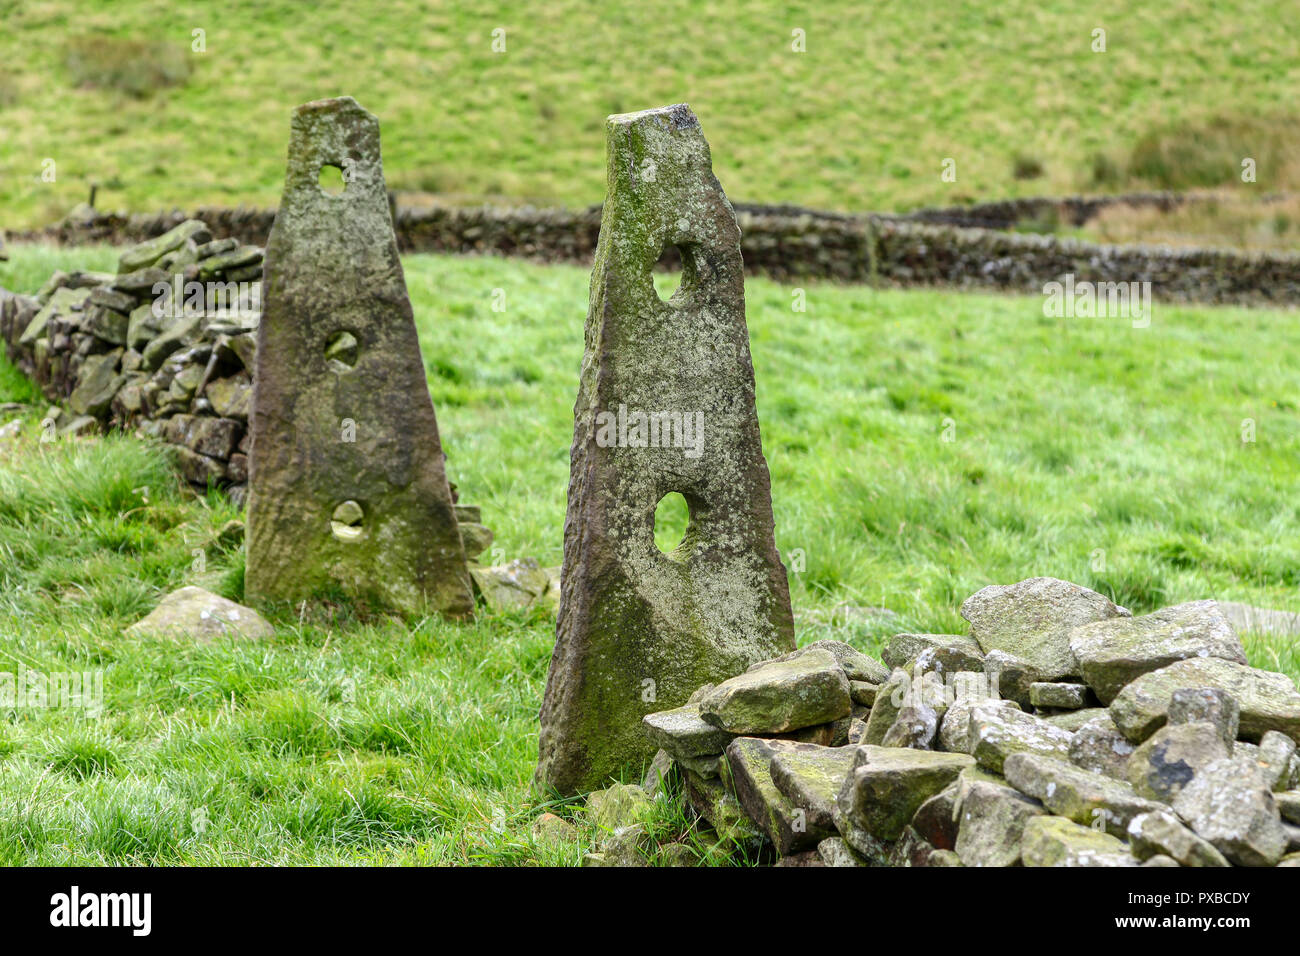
[921, 444]
[506, 101]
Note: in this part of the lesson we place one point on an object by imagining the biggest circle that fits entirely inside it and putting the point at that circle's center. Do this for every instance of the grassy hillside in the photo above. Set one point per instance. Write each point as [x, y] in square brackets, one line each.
[864, 119]
[1083, 449]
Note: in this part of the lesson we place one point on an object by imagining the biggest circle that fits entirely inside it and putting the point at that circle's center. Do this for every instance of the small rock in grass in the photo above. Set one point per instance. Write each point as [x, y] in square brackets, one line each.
[192, 612]
[657, 774]
[721, 810]
[677, 855]
[551, 830]
[617, 807]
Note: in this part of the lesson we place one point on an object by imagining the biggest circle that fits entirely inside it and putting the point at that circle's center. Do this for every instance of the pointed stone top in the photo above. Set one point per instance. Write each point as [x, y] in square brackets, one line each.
[335, 132]
[678, 116]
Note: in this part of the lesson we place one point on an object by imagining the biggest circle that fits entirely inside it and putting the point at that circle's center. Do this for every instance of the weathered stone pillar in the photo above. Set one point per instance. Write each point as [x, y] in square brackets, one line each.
[665, 404]
[347, 488]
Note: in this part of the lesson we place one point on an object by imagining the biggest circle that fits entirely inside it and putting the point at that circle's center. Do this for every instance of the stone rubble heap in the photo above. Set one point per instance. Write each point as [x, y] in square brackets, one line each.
[95, 342]
[1062, 731]
[92, 342]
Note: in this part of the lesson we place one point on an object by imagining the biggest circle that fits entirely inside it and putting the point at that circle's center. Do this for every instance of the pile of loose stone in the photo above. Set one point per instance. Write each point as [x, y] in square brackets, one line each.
[93, 342]
[1062, 731]
[96, 342]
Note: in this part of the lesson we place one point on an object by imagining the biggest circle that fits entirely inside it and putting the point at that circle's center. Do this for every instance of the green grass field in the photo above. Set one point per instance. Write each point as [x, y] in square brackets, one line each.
[1084, 449]
[863, 120]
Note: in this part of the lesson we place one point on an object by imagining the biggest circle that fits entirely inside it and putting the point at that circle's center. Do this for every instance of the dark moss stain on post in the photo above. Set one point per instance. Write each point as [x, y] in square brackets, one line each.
[342, 416]
[640, 630]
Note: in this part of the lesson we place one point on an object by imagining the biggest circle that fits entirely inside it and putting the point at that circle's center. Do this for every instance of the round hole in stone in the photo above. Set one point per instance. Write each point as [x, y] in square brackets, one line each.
[672, 516]
[674, 273]
[331, 180]
[341, 351]
[346, 522]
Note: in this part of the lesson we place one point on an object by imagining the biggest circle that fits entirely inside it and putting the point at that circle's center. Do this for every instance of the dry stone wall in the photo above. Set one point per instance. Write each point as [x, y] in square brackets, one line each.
[924, 248]
[165, 346]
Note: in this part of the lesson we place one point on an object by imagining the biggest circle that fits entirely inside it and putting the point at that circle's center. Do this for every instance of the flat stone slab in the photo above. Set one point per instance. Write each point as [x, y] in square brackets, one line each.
[856, 665]
[811, 777]
[887, 785]
[665, 404]
[1114, 652]
[684, 733]
[1074, 793]
[1055, 841]
[780, 697]
[1267, 701]
[790, 827]
[358, 432]
[199, 615]
[997, 731]
[1032, 620]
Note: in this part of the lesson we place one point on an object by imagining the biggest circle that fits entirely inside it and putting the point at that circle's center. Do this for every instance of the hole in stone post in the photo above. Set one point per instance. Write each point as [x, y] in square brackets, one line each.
[346, 521]
[341, 351]
[332, 182]
[674, 273]
[672, 516]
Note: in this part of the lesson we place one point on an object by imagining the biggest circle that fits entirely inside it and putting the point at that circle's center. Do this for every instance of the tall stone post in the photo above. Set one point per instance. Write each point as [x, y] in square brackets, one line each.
[347, 489]
[665, 404]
